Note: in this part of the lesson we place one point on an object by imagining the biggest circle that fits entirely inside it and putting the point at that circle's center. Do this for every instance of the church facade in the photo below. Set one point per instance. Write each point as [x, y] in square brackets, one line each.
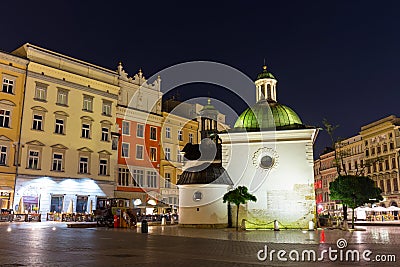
[270, 151]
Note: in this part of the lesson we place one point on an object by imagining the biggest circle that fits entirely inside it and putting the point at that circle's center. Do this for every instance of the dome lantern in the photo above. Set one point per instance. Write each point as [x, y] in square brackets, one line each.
[267, 113]
[266, 86]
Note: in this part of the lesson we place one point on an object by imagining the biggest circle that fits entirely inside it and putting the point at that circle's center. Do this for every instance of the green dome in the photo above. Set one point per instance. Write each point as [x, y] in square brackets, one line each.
[265, 74]
[209, 106]
[259, 118]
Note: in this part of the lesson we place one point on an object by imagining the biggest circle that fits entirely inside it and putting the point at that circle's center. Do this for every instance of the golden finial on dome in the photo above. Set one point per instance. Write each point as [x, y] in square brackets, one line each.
[265, 67]
[209, 101]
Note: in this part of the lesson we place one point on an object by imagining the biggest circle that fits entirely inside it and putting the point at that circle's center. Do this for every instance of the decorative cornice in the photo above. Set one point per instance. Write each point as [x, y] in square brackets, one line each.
[85, 149]
[35, 143]
[5, 138]
[7, 102]
[105, 152]
[59, 146]
[72, 85]
[10, 57]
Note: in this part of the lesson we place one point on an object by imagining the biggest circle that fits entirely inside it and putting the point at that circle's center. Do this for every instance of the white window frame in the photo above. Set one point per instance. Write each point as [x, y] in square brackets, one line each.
[153, 158]
[3, 155]
[106, 108]
[140, 130]
[126, 128]
[125, 147]
[138, 178]
[62, 97]
[151, 179]
[103, 166]
[87, 103]
[123, 176]
[7, 85]
[105, 133]
[5, 115]
[41, 92]
[180, 135]
[167, 177]
[38, 122]
[142, 152]
[33, 158]
[168, 132]
[191, 138]
[179, 156]
[83, 165]
[85, 131]
[59, 126]
[167, 153]
[57, 164]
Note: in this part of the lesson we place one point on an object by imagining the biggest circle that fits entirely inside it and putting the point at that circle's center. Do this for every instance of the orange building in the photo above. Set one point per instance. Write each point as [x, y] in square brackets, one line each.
[140, 133]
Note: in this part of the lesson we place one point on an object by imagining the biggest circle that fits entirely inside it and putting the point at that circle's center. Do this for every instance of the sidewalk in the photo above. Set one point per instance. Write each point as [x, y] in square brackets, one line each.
[369, 235]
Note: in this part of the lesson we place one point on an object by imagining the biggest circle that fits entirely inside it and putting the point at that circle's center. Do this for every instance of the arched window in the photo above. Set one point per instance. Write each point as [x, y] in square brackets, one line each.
[269, 91]
[262, 91]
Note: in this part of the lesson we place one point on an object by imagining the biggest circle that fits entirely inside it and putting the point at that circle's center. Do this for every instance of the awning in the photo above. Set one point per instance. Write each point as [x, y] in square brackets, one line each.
[6, 188]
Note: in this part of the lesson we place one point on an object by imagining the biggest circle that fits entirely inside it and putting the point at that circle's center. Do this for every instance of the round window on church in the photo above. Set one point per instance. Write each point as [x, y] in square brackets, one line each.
[197, 196]
[266, 162]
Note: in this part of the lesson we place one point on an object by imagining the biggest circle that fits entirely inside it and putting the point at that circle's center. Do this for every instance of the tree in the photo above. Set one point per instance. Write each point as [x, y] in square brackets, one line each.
[354, 191]
[239, 195]
[340, 153]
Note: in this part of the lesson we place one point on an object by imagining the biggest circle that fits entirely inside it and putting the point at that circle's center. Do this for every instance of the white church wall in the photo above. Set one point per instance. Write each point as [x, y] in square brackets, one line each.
[207, 211]
[285, 190]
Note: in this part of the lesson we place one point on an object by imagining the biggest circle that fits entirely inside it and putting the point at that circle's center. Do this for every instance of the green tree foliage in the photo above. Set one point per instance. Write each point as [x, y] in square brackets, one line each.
[354, 191]
[239, 195]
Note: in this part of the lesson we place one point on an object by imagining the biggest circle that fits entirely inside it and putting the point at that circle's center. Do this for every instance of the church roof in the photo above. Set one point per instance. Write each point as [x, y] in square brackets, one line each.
[265, 74]
[259, 117]
[206, 173]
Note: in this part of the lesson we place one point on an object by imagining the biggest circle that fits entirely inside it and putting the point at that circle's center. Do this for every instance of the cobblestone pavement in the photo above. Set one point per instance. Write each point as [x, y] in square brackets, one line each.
[53, 244]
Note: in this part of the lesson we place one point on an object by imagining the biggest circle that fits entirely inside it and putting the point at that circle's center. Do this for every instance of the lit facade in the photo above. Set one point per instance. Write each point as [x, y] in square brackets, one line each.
[177, 131]
[325, 171]
[350, 154]
[12, 75]
[67, 157]
[270, 151]
[139, 119]
[381, 154]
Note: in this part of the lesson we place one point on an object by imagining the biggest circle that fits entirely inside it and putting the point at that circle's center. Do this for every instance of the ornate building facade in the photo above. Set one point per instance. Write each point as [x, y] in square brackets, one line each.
[12, 75]
[66, 153]
[381, 140]
[139, 119]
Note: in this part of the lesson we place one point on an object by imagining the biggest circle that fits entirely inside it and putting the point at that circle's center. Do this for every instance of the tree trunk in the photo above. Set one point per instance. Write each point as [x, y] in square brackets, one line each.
[344, 212]
[229, 215]
[345, 225]
[237, 217]
[352, 220]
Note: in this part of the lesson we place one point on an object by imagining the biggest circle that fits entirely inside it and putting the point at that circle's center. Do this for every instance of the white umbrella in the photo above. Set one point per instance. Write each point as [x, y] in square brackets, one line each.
[70, 207]
[91, 207]
[393, 208]
[379, 209]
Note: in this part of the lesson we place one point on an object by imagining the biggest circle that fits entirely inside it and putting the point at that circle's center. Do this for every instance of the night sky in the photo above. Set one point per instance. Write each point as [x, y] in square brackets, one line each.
[333, 59]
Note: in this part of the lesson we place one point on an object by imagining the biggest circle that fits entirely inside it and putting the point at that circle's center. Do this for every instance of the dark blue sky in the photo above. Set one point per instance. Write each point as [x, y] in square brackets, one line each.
[333, 59]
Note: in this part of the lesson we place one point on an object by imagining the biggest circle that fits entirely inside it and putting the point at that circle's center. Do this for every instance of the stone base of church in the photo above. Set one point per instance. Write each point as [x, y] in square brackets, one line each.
[205, 226]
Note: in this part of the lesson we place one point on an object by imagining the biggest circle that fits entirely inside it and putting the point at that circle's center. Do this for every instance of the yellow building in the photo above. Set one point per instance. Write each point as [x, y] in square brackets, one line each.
[12, 74]
[68, 156]
[176, 132]
[350, 154]
[381, 153]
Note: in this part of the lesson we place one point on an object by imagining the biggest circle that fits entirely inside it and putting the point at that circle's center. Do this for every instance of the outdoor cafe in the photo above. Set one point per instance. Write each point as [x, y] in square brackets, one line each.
[377, 213]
